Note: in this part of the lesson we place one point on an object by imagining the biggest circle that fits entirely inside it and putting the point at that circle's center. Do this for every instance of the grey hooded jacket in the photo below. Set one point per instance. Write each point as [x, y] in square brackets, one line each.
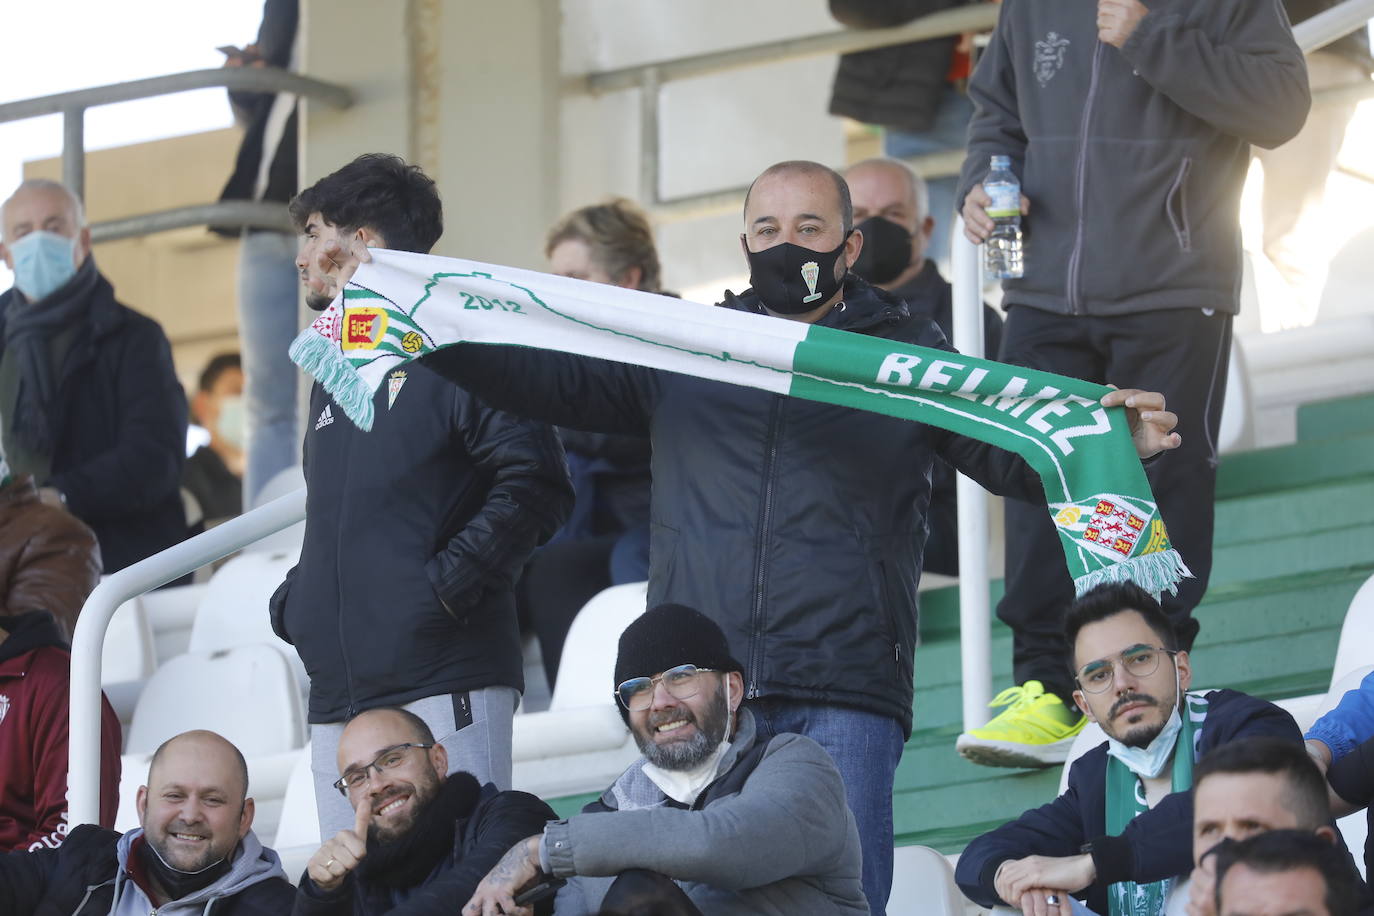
[1133, 159]
[771, 835]
[86, 876]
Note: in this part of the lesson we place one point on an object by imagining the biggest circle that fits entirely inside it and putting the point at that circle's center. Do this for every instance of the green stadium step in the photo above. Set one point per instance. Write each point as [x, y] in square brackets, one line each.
[1304, 510]
[1335, 419]
[1289, 466]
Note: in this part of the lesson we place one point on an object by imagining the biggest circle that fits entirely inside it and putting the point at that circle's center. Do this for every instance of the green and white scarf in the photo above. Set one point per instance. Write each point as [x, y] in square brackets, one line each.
[402, 306]
[1126, 802]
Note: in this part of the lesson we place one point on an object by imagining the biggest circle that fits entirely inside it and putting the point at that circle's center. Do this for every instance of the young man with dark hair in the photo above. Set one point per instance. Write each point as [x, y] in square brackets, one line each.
[456, 494]
[1246, 788]
[214, 474]
[1285, 873]
[1123, 827]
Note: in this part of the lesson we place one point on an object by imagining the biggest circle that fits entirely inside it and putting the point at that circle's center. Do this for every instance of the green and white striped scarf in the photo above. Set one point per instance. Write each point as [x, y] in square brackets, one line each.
[402, 306]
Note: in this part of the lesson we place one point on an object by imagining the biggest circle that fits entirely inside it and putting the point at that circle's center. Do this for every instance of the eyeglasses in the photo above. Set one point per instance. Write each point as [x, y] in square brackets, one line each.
[388, 759]
[683, 683]
[1137, 661]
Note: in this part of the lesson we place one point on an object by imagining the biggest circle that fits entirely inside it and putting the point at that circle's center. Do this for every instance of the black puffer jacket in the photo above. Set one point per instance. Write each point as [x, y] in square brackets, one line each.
[79, 878]
[797, 526]
[414, 535]
[120, 431]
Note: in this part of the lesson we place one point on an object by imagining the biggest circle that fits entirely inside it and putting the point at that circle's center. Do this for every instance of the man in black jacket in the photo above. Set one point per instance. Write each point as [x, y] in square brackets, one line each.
[194, 852]
[1124, 826]
[796, 526]
[421, 839]
[90, 402]
[454, 494]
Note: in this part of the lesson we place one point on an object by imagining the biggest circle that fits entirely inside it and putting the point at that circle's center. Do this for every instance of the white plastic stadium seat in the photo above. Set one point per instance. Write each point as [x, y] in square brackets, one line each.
[233, 611]
[298, 830]
[128, 651]
[1237, 430]
[1090, 737]
[247, 694]
[580, 743]
[923, 884]
[1356, 647]
[288, 540]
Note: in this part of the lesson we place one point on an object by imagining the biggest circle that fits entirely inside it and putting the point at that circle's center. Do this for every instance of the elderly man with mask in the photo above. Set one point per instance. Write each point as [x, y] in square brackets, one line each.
[1122, 832]
[892, 212]
[729, 819]
[90, 405]
[194, 853]
[792, 524]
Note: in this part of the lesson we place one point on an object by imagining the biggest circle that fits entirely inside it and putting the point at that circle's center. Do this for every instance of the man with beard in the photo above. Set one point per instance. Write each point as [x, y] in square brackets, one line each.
[421, 838]
[1123, 828]
[193, 854]
[451, 496]
[798, 527]
[715, 817]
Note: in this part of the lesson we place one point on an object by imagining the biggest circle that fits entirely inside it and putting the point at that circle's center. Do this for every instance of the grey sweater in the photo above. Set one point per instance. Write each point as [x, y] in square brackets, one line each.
[770, 835]
[1133, 158]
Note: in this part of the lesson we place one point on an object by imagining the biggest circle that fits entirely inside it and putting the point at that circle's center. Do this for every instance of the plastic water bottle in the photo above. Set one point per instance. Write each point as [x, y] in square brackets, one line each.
[1003, 248]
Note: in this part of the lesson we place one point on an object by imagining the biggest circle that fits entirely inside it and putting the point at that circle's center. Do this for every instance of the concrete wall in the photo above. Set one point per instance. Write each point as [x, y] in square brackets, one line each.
[474, 92]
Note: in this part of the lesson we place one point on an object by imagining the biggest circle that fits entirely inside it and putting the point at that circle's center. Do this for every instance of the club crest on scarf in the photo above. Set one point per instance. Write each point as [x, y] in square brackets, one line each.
[364, 327]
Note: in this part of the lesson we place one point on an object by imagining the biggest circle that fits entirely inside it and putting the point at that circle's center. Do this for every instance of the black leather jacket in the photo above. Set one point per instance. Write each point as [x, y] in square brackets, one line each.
[797, 526]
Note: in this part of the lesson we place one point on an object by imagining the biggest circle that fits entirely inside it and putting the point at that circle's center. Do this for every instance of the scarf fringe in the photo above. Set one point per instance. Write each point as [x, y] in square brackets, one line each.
[1156, 573]
[322, 358]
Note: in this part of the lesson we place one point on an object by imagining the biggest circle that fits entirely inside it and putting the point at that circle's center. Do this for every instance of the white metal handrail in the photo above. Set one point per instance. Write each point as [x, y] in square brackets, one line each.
[83, 781]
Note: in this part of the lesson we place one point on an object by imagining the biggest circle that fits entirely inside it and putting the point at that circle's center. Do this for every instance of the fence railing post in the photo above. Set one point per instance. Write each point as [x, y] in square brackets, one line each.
[975, 618]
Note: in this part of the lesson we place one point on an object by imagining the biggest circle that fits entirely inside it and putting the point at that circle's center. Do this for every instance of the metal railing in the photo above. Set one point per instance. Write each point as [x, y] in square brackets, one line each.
[650, 78]
[236, 214]
[83, 782]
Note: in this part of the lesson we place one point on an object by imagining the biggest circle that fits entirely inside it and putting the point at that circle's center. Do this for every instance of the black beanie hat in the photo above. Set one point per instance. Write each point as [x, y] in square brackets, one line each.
[667, 636]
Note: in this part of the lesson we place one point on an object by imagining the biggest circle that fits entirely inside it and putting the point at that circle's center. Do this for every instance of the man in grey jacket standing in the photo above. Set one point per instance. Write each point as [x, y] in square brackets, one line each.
[715, 817]
[1129, 125]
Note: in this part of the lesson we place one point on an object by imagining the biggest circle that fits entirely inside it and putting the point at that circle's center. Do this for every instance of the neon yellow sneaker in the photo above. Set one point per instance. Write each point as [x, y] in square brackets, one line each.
[1035, 730]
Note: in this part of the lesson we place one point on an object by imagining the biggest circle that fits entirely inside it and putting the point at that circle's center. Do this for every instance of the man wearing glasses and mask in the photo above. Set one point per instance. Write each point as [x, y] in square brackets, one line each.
[422, 838]
[1121, 833]
[718, 816]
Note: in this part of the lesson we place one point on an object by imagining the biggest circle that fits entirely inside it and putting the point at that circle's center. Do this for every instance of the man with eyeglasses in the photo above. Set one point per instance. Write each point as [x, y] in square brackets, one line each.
[422, 838]
[1121, 833]
[718, 816]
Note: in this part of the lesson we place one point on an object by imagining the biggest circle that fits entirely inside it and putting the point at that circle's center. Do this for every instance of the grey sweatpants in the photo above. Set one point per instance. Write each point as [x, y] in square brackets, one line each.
[473, 726]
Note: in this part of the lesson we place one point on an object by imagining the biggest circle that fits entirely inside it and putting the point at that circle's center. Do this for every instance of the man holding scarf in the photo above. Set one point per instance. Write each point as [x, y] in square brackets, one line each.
[798, 527]
[1121, 833]
[90, 405]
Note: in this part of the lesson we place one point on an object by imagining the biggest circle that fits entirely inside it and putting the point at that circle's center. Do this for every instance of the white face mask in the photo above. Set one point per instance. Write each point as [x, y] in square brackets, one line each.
[232, 424]
[1148, 762]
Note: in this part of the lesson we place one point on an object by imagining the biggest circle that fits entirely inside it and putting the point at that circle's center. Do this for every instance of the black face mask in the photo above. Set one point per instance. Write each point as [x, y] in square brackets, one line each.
[175, 882]
[886, 252]
[792, 280]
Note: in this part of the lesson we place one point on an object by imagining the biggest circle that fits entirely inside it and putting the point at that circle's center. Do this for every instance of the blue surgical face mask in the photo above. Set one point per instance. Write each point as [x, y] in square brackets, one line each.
[232, 424]
[43, 263]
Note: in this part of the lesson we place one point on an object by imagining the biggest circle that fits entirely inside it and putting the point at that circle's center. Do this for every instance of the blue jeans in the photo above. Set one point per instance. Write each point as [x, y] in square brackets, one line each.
[269, 297]
[866, 748]
[950, 131]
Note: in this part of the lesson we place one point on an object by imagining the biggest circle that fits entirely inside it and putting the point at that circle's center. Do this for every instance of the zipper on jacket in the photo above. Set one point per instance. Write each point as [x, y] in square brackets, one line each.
[761, 549]
[91, 889]
[1080, 184]
[338, 576]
